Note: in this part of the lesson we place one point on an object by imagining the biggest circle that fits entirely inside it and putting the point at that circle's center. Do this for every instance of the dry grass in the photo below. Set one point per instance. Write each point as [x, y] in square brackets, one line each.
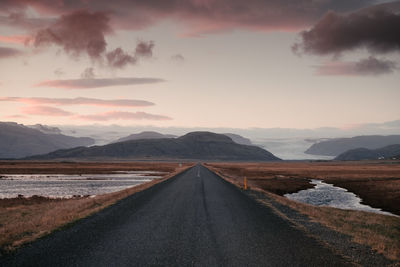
[380, 232]
[42, 167]
[24, 220]
[377, 183]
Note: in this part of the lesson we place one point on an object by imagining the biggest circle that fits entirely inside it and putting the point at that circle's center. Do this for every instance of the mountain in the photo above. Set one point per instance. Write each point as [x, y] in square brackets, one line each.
[145, 135]
[45, 129]
[386, 152]
[238, 139]
[336, 146]
[192, 146]
[17, 141]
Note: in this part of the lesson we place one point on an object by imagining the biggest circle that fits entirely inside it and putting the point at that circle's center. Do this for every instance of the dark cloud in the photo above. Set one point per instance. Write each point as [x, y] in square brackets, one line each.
[119, 115]
[21, 20]
[144, 49]
[88, 73]
[6, 52]
[83, 32]
[118, 58]
[364, 67]
[200, 16]
[78, 101]
[177, 58]
[79, 32]
[96, 83]
[375, 28]
[59, 72]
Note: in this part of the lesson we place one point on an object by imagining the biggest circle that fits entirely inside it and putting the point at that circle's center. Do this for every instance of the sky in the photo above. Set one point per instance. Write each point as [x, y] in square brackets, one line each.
[200, 63]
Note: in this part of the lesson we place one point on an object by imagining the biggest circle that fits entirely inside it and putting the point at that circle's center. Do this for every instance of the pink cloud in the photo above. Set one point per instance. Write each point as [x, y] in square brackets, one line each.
[14, 39]
[17, 116]
[96, 83]
[79, 101]
[118, 115]
[45, 111]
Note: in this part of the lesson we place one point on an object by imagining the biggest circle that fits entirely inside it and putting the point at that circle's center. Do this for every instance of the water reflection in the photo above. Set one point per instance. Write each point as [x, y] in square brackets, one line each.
[61, 185]
[324, 194]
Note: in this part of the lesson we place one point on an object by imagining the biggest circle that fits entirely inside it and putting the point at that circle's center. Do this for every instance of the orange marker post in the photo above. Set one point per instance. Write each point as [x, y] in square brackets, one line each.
[245, 183]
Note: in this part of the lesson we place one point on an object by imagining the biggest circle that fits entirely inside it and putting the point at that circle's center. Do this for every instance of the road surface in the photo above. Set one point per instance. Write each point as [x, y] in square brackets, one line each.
[193, 219]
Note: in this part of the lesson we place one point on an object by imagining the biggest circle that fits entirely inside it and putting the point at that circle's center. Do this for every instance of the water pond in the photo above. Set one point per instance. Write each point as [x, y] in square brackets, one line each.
[324, 194]
[61, 185]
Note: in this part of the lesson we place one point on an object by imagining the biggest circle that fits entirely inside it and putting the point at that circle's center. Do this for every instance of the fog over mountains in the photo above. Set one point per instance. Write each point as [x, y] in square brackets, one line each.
[108, 133]
[320, 143]
[337, 146]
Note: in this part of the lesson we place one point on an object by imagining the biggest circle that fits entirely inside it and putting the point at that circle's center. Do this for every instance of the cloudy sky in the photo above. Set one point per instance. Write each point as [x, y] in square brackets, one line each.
[200, 63]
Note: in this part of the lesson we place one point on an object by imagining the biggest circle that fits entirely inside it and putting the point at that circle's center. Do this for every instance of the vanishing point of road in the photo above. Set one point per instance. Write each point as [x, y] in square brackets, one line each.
[193, 219]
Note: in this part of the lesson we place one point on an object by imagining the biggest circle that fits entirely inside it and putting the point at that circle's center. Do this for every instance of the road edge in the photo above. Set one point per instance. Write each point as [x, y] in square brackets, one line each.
[124, 194]
[355, 253]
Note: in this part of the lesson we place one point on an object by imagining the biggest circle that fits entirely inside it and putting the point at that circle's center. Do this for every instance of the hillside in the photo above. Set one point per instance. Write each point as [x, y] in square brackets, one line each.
[17, 141]
[239, 139]
[336, 146]
[195, 146]
[145, 135]
[386, 152]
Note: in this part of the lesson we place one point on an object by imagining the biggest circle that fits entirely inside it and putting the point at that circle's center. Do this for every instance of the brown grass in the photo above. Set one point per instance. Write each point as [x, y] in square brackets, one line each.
[24, 220]
[377, 183]
[41, 167]
[380, 232]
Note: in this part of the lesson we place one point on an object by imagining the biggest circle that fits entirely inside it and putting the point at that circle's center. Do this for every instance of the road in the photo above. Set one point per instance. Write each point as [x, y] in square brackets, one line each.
[193, 219]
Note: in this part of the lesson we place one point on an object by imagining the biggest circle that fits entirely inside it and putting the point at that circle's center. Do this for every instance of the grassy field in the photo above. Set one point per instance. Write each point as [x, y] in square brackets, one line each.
[26, 219]
[377, 183]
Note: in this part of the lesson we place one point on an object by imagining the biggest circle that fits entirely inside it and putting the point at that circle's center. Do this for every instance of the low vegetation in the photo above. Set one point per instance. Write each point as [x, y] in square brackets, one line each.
[377, 183]
[373, 179]
[26, 219]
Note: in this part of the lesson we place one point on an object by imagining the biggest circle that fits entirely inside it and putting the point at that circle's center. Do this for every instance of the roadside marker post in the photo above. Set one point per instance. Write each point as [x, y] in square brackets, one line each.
[245, 183]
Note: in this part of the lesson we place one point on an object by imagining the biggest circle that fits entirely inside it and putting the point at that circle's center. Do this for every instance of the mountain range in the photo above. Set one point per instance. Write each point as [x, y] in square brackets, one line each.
[192, 146]
[335, 147]
[17, 141]
[387, 152]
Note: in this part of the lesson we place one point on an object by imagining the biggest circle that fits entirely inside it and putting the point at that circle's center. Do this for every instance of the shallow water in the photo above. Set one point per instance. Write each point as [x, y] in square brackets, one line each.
[60, 185]
[324, 194]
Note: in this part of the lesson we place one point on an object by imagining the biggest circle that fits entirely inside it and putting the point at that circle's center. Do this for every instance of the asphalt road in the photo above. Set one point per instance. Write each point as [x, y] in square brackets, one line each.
[193, 219]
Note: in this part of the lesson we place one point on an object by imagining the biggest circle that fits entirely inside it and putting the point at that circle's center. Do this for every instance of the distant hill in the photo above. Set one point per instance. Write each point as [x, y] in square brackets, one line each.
[194, 146]
[386, 152]
[336, 146]
[239, 139]
[45, 129]
[17, 141]
[145, 135]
